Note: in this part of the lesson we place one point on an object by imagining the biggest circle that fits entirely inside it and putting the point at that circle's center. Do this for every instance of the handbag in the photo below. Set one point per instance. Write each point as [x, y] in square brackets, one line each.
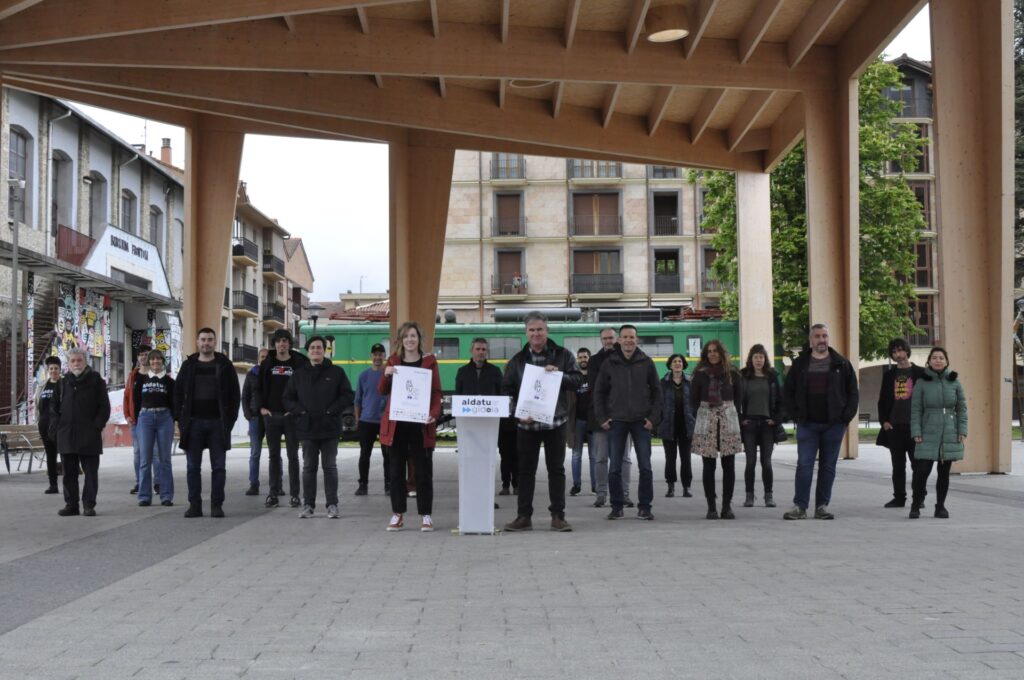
[780, 433]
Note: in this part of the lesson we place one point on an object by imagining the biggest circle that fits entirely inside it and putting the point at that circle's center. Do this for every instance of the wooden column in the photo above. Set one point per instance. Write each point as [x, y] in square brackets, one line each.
[973, 81]
[420, 179]
[213, 160]
[754, 255]
[833, 231]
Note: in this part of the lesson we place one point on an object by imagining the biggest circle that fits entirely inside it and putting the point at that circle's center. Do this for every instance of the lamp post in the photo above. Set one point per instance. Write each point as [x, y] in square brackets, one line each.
[315, 308]
[18, 184]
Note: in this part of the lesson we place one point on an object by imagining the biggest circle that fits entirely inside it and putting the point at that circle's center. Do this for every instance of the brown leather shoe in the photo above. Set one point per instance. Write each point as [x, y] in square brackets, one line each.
[520, 523]
[504, 491]
[559, 524]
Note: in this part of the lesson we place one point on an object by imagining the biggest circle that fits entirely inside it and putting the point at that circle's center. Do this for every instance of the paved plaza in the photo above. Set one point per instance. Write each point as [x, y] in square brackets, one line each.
[142, 592]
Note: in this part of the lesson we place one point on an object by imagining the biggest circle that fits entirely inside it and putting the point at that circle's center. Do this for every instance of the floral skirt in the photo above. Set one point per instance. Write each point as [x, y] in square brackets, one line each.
[717, 430]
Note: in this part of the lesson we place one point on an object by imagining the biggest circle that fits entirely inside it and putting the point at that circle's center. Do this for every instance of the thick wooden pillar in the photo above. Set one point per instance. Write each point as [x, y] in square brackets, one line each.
[420, 179]
[973, 81]
[754, 255]
[213, 160]
[833, 222]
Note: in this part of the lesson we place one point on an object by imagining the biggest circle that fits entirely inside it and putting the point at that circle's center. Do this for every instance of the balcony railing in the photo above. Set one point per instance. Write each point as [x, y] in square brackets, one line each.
[663, 172]
[296, 308]
[508, 167]
[597, 283]
[666, 225]
[929, 336]
[273, 311]
[579, 169]
[597, 225]
[509, 284]
[227, 297]
[72, 247]
[243, 247]
[508, 226]
[272, 264]
[709, 284]
[666, 283]
[225, 349]
[246, 353]
[245, 301]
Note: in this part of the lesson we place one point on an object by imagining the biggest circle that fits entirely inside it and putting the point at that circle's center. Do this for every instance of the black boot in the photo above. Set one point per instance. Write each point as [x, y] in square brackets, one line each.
[712, 510]
[727, 510]
[68, 510]
[941, 512]
[671, 490]
[194, 510]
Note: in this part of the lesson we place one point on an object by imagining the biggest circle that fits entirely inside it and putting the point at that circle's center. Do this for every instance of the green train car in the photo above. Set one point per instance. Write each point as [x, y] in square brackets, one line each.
[350, 343]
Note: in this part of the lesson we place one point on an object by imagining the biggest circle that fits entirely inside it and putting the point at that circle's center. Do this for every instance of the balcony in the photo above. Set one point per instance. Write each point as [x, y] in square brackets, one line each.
[273, 266]
[579, 169]
[597, 283]
[508, 226]
[273, 315]
[245, 305]
[709, 284]
[296, 308]
[245, 354]
[244, 252]
[227, 298]
[666, 283]
[508, 167]
[509, 284]
[666, 225]
[225, 349]
[663, 172]
[72, 246]
[596, 225]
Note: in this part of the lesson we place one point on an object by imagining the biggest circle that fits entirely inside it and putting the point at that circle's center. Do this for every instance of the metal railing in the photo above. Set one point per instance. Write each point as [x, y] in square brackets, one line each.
[709, 284]
[597, 283]
[666, 225]
[273, 311]
[296, 308]
[245, 301]
[227, 297]
[509, 284]
[596, 225]
[246, 353]
[243, 247]
[272, 263]
[666, 283]
[508, 226]
[663, 172]
[508, 167]
[72, 246]
[581, 169]
[225, 349]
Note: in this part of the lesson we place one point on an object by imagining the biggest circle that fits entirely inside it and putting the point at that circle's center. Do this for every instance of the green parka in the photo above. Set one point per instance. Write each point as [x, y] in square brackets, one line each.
[938, 414]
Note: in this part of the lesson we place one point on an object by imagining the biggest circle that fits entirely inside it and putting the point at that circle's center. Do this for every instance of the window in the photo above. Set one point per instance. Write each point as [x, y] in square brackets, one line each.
[665, 211]
[596, 214]
[503, 348]
[666, 271]
[61, 186]
[131, 279]
[446, 348]
[924, 162]
[708, 282]
[594, 169]
[923, 316]
[923, 266]
[508, 214]
[128, 212]
[663, 172]
[574, 343]
[508, 278]
[923, 192]
[97, 204]
[156, 228]
[702, 228]
[18, 170]
[656, 345]
[508, 166]
[597, 271]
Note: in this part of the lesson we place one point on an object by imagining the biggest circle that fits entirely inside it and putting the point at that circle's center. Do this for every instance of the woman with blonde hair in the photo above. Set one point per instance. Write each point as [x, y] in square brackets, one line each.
[715, 389]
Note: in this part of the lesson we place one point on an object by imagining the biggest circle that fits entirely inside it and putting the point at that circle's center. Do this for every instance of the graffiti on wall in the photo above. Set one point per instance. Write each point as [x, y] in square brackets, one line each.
[83, 320]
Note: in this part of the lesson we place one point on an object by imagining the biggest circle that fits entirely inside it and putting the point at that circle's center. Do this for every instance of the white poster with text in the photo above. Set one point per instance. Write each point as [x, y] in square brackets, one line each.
[410, 394]
[538, 394]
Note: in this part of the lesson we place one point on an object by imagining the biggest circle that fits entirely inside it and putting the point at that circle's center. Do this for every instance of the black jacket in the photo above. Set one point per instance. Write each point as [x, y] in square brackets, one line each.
[228, 396]
[488, 384]
[249, 388]
[260, 395]
[557, 356]
[316, 396]
[79, 411]
[842, 394]
[775, 411]
[667, 428]
[593, 372]
[886, 397]
[628, 389]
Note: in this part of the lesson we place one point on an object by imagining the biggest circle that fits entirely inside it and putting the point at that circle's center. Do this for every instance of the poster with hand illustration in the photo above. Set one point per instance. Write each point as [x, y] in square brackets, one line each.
[410, 394]
[538, 394]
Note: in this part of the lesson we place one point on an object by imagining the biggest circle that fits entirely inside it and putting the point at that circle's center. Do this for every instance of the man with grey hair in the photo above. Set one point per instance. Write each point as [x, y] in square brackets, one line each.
[540, 351]
[821, 396]
[599, 437]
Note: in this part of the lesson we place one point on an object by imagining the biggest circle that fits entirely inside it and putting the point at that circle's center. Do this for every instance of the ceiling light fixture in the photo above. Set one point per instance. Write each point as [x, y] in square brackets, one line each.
[668, 23]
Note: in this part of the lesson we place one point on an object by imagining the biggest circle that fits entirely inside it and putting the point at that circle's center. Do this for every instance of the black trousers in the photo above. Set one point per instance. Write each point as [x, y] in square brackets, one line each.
[728, 479]
[278, 426]
[922, 470]
[51, 460]
[758, 435]
[367, 436]
[408, 444]
[901, 450]
[685, 468]
[508, 451]
[90, 486]
[528, 445]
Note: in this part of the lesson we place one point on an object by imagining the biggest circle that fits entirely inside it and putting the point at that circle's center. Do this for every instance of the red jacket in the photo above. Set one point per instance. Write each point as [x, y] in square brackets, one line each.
[128, 403]
[387, 427]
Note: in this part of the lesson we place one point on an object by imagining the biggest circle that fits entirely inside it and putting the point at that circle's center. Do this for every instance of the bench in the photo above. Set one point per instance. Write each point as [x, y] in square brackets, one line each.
[22, 440]
[865, 420]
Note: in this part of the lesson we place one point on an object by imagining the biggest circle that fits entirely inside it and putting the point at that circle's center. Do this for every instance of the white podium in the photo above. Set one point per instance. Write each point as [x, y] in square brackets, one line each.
[477, 419]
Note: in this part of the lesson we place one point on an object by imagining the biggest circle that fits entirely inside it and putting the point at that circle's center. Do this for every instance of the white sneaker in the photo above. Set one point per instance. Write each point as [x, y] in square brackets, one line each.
[306, 513]
[411, 494]
[428, 524]
[332, 512]
[396, 523]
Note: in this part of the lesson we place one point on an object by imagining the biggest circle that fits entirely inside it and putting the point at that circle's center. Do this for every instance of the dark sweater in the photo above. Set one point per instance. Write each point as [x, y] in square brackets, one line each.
[274, 376]
[153, 392]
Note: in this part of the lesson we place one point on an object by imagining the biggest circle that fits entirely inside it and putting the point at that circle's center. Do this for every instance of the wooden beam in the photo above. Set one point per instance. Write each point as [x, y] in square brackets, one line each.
[700, 17]
[756, 140]
[708, 106]
[609, 104]
[661, 100]
[556, 101]
[878, 24]
[572, 15]
[415, 104]
[441, 87]
[787, 132]
[329, 44]
[502, 92]
[747, 116]
[364, 19]
[289, 23]
[91, 19]
[811, 26]
[504, 20]
[636, 23]
[756, 26]
[12, 7]
[435, 19]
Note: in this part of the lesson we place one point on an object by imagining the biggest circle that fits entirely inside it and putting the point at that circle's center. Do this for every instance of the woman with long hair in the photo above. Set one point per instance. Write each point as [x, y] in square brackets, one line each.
[676, 427]
[154, 401]
[716, 392]
[938, 424]
[407, 440]
[760, 411]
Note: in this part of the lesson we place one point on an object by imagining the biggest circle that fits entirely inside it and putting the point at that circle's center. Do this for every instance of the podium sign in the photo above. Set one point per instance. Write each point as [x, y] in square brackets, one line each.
[477, 421]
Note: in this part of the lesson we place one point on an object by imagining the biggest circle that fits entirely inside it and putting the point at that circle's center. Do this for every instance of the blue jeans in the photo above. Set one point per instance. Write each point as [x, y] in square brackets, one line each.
[155, 432]
[135, 451]
[582, 437]
[206, 434]
[617, 435]
[812, 438]
[255, 449]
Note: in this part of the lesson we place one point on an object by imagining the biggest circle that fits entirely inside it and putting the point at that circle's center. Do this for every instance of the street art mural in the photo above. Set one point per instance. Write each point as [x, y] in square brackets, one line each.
[83, 320]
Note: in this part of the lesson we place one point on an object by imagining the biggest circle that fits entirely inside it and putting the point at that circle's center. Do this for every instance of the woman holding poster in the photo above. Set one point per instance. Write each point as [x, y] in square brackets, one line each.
[412, 386]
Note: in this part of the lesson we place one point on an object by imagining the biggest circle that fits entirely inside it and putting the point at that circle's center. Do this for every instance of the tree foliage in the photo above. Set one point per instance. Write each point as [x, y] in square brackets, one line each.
[890, 218]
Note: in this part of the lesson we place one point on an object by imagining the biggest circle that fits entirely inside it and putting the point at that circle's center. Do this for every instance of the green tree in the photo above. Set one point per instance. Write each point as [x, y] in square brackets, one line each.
[890, 218]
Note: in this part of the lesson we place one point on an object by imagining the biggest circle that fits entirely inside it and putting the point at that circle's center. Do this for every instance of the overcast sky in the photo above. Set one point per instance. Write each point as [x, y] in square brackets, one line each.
[335, 194]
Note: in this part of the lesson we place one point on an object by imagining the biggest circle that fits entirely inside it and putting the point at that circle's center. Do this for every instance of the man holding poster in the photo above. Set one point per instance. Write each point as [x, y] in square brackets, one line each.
[539, 380]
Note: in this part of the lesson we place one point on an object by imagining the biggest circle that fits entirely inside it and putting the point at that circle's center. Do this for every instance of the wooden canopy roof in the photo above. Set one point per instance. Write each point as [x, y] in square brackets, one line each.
[555, 77]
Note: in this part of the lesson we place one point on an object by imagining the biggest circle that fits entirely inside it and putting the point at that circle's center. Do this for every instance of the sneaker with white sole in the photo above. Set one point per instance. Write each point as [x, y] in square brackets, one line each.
[307, 512]
[396, 523]
[428, 524]
[332, 512]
